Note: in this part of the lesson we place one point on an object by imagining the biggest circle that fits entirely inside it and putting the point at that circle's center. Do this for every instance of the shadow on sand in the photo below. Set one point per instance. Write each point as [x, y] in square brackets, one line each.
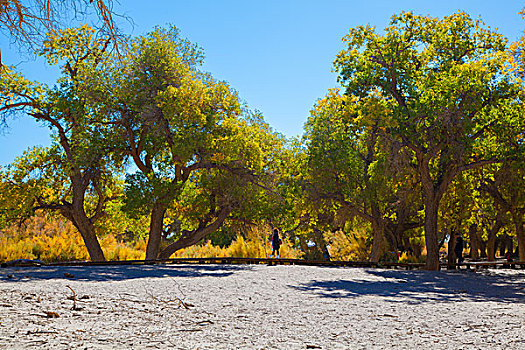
[115, 273]
[425, 286]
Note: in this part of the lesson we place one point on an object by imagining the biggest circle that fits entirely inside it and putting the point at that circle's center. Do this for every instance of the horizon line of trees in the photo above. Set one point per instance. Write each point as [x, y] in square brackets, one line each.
[423, 139]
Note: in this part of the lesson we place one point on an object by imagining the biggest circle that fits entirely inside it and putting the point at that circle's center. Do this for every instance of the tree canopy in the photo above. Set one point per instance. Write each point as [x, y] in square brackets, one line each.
[422, 140]
[450, 90]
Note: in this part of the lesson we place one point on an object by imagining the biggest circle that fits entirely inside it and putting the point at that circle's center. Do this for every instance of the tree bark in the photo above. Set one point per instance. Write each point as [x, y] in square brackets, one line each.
[77, 215]
[474, 242]
[320, 244]
[85, 227]
[155, 231]
[378, 233]
[431, 230]
[520, 233]
[491, 241]
[433, 191]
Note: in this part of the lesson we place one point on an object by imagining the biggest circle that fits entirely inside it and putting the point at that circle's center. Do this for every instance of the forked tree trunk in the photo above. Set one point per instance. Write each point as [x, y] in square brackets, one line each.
[320, 244]
[90, 239]
[75, 213]
[155, 231]
[432, 194]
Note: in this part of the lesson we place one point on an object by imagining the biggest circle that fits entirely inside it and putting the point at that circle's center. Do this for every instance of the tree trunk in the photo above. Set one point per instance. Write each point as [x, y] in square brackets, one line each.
[431, 230]
[320, 243]
[190, 238]
[432, 193]
[75, 213]
[474, 242]
[155, 231]
[518, 224]
[84, 226]
[378, 234]
[378, 242]
[491, 241]
[491, 248]
[504, 244]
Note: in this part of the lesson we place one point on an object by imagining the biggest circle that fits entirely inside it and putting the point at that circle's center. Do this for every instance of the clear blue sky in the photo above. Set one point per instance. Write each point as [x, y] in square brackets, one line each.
[276, 53]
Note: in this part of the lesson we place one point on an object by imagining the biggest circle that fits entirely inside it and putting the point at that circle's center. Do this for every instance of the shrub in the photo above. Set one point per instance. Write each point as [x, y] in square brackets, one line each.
[348, 247]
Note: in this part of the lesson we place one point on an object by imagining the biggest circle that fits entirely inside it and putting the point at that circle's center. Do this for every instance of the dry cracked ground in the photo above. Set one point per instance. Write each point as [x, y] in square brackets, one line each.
[259, 307]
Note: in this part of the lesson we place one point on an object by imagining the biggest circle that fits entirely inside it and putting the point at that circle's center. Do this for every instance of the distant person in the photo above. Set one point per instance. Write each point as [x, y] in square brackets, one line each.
[276, 244]
[510, 259]
[458, 248]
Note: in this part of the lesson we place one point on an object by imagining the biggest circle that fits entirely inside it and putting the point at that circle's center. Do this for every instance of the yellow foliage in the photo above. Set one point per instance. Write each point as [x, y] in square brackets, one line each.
[408, 258]
[115, 250]
[200, 251]
[351, 247]
[50, 240]
[61, 246]
[255, 245]
[249, 248]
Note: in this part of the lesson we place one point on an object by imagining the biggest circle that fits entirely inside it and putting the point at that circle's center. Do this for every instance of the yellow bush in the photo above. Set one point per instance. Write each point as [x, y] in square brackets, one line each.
[62, 246]
[115, 250]
[206, 250]
[51, 239]
[408, 258]
[351, 247]
[254, 246]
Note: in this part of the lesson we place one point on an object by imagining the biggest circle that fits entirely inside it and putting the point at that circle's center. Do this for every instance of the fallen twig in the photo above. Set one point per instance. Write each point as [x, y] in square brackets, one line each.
[178, 301]
[74, 298]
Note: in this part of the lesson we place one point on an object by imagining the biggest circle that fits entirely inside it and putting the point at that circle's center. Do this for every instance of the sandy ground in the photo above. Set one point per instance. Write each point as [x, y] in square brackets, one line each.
[259, 307]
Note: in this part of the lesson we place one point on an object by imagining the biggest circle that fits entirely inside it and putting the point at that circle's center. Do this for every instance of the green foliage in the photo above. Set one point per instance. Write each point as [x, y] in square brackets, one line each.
[424, 102]
[449, 89]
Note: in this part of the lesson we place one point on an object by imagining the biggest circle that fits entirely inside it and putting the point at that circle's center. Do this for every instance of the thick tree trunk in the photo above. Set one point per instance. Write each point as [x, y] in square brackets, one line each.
[491, 248]
[431, 230]
[77, 215]
[84, 226]
[520, 233]
[378, 242]
[432, 193]
[378, 234]
[190, 238]
[155, 231]
[474, 242]
[320, 243]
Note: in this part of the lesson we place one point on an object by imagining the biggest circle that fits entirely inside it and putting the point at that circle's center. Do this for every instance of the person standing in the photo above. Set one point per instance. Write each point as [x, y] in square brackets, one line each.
[276, 244]
[458, 248]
